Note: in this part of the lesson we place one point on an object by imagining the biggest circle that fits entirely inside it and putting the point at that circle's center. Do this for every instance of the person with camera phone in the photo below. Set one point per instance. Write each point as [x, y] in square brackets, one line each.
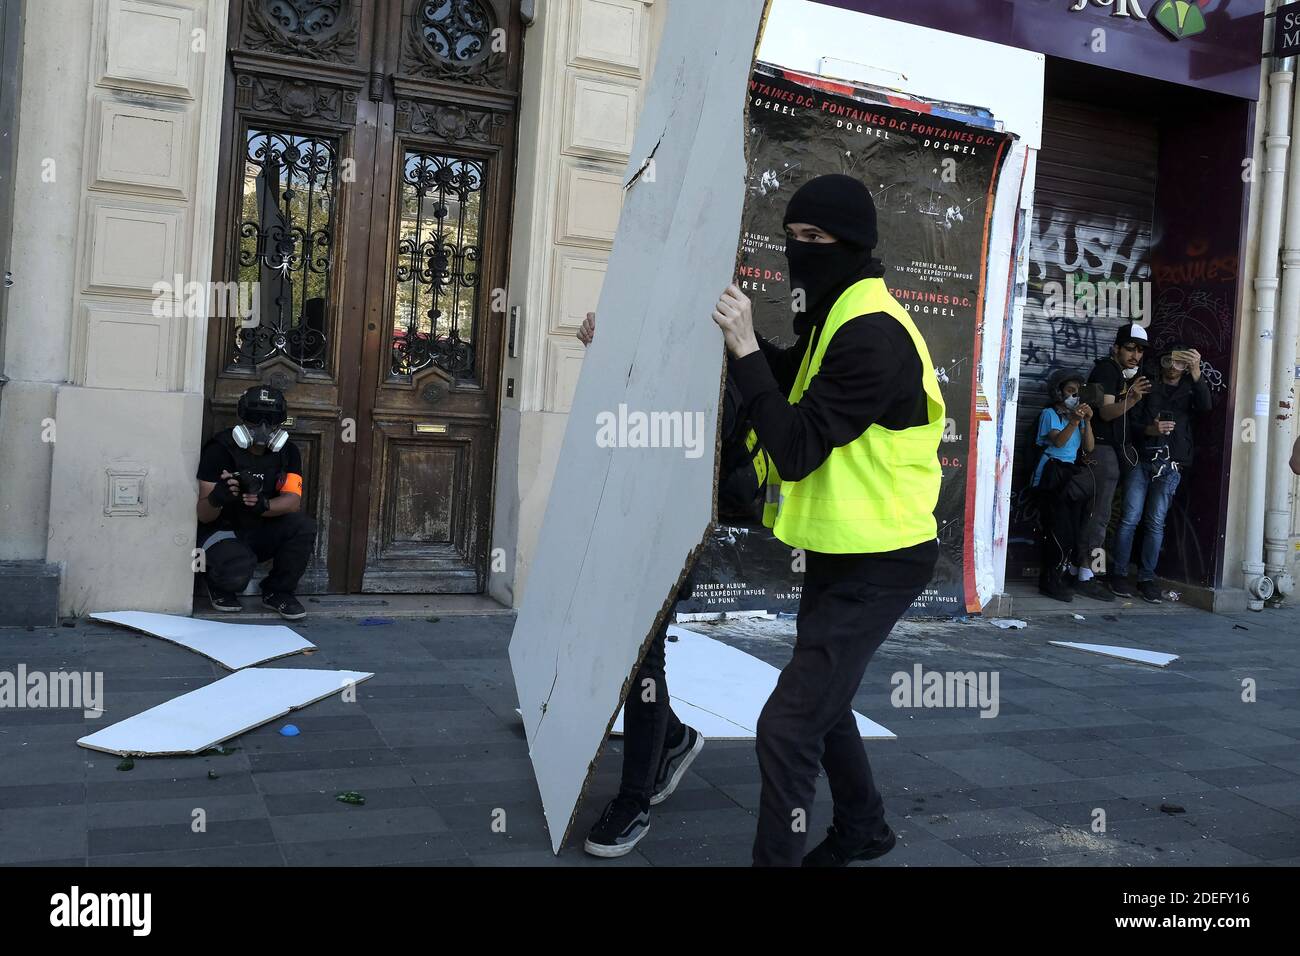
[1164, 427]
[249, 507]
[1062, 483]
[1123, 388]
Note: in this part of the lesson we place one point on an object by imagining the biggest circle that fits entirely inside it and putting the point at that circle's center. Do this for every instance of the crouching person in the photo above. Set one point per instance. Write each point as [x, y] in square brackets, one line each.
[250, 496]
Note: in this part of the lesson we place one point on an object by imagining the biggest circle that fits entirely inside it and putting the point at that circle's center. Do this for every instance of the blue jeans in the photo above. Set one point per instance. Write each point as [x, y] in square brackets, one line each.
[1146, 500]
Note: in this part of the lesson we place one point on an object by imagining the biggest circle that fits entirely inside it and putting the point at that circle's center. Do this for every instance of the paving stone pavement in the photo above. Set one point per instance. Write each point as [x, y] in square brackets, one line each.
[435, 746]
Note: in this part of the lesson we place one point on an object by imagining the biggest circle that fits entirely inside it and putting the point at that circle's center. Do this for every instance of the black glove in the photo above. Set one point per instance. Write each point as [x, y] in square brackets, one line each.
[262, 505]
[221, 495]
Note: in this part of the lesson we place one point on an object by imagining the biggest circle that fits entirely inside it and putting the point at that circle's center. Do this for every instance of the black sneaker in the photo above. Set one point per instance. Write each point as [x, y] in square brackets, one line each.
[225, 601]
[1093, 588]
[1150, 592]
[673, 764]
[834, 851]
[286, 605]
[1118, 586]
[619, 828]
[1056, 588]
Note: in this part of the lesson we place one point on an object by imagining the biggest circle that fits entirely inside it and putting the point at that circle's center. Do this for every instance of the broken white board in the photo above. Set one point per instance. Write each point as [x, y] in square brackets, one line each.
[233, 646]
[720, 690]
[628, 509]
[1135, 654]
[226, 708]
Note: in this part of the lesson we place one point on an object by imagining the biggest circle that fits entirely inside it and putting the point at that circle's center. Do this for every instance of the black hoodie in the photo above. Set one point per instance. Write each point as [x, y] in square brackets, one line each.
[870, 375]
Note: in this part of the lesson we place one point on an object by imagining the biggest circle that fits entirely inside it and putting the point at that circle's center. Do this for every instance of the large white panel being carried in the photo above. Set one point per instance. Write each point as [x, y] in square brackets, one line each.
[720, 690]
[622, 522]
[231, 645]
[227, 708]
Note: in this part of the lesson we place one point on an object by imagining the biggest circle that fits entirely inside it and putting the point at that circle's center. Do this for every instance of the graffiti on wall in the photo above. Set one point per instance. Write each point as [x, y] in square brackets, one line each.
[1075, 250]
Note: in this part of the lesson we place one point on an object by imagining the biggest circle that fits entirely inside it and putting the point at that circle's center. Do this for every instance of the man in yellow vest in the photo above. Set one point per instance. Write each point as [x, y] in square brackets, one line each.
[851, 418]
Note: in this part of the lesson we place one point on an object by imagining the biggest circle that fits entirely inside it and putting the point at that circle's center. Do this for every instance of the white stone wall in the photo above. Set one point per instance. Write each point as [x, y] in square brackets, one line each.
[121, 117]
[1232, 595]
[586, 63]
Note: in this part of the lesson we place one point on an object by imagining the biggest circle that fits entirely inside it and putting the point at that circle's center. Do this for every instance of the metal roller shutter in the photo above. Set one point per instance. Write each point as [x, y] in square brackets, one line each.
[1093, 207]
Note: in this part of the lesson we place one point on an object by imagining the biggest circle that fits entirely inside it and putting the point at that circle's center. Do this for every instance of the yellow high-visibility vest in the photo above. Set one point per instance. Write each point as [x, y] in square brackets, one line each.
[877, 493]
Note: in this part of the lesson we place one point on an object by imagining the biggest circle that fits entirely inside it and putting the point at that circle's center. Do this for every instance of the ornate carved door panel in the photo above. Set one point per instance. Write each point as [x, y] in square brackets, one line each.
[369, 157]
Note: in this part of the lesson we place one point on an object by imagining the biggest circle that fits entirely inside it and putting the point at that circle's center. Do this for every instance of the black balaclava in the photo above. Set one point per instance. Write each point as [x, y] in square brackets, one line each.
[842, 207]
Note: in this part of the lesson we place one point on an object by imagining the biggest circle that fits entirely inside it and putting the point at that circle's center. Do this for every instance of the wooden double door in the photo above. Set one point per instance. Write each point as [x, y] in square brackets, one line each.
[363, 220]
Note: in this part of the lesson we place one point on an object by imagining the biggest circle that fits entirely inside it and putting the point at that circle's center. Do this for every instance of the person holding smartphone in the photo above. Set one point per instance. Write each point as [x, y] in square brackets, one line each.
[1063, 486]
[1123, 388]
[1165, 452]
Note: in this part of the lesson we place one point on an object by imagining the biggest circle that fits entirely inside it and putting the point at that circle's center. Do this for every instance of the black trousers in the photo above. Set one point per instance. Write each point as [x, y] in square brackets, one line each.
[648, 721]
[808, 720]
[1062, 523]
[286, 541]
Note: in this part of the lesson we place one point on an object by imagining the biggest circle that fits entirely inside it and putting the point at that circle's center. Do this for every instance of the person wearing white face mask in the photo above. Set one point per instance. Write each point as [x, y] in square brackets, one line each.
[1123, 389]
[1064, 487]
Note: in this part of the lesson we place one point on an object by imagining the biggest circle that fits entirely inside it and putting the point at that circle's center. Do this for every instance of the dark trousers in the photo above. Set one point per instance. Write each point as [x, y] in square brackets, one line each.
[1062, 522]
[648, 721]
[287, 541]
[1105, 465]
[809, 720]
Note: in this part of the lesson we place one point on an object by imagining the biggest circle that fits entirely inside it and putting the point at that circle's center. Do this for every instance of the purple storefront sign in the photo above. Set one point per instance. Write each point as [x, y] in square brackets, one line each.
[1224, 56]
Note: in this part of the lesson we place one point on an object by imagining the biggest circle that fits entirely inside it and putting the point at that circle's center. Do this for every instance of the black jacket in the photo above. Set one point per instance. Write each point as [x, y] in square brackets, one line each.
[1182, 401]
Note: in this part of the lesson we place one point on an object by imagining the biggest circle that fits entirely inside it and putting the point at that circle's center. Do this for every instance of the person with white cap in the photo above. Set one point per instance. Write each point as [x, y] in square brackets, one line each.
[1123, 388]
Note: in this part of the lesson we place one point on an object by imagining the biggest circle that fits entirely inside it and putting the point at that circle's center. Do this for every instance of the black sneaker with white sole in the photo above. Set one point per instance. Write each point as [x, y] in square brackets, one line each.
[835, 850]
[286, 605]
[225, 601]
[619, 828]
[1119, 587]
[673, 764]
[1150, 592]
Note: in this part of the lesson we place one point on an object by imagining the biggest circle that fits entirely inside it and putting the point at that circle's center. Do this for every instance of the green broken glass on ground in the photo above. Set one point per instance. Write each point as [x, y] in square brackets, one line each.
[352, 797]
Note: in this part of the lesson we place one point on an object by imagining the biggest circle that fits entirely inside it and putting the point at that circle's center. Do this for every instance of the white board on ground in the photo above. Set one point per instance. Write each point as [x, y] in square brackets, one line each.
[628, 508]
[1136, 654]
[226, 708]
[720, 690]
[233, 646]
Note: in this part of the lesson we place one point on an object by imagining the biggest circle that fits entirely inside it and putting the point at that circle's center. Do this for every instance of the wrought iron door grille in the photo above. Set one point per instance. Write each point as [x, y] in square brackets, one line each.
[456, 30]
[286, 245]
[305, 18]
[438, 247]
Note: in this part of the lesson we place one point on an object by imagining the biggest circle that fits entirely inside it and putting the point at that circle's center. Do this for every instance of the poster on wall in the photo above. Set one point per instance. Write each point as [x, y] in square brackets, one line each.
[932, 171]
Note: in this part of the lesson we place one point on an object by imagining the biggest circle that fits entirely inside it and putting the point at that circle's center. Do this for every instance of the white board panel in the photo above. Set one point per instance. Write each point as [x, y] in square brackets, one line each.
[1135, 654]
[720, 690]
[227, 708]
[622, 522]
[233, 646]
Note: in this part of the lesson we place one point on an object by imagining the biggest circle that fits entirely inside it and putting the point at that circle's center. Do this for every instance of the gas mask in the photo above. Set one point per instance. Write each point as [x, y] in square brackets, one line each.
[260, 433]
[262, 411]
